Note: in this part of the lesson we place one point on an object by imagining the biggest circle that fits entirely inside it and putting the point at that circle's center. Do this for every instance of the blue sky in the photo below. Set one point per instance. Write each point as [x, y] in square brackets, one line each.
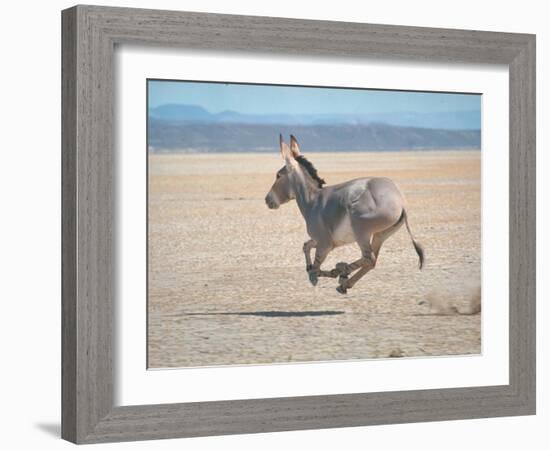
[261, 99]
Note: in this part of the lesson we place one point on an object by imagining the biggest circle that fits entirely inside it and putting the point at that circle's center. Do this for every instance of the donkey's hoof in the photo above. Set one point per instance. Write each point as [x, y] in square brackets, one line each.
[342, 289]
[313, 277]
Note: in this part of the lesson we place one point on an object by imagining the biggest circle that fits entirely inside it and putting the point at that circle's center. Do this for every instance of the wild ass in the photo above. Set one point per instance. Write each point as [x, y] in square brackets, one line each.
[365, 210]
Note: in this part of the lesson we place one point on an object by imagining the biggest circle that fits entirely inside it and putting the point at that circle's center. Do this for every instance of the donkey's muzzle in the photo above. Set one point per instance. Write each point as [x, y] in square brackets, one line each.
[271, 204]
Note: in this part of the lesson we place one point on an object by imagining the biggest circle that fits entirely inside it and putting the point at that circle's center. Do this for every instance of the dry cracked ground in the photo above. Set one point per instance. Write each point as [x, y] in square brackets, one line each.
[227, 280]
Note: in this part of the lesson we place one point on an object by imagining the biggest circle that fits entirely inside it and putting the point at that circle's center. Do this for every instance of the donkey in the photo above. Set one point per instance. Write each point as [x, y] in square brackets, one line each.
[365, 210]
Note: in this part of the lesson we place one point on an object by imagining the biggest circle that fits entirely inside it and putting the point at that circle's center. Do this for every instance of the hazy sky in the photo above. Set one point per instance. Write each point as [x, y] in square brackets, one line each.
[258, 99]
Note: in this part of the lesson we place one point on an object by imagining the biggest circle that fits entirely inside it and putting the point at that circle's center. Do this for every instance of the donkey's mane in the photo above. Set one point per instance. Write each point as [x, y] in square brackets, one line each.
[310, 169]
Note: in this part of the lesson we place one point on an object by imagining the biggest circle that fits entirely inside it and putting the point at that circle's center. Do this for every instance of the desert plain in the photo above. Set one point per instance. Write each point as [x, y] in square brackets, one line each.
[226, 276]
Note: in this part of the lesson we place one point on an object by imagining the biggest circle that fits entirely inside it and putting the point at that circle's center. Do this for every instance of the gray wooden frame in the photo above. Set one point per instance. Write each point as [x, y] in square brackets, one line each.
[89, 36]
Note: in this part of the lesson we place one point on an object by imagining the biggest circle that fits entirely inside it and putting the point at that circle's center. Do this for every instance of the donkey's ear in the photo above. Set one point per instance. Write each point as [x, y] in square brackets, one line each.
[294, 147]
[286, 153]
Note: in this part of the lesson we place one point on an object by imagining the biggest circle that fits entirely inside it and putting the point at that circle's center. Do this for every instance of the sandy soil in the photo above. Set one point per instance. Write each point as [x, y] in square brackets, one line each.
[227, 279]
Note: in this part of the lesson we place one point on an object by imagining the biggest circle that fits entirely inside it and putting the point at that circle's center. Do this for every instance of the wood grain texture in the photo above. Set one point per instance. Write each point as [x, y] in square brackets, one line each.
[522, 224]
[89, 36]
[88, 208]
[68, 226]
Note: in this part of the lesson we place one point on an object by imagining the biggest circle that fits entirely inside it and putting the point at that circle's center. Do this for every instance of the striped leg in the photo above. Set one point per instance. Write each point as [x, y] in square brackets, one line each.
[315, 272]
[308, 246]
[376, 246]
[364, 264]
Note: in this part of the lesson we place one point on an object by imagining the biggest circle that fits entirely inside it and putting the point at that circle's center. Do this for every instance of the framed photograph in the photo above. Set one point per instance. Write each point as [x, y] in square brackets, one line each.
[279, 224]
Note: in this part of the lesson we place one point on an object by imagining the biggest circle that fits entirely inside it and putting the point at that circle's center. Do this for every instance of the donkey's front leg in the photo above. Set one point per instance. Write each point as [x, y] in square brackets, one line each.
[315, 271]
[307, 252]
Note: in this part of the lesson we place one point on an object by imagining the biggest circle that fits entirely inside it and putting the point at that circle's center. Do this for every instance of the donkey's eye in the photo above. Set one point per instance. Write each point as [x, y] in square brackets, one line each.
[278, 176]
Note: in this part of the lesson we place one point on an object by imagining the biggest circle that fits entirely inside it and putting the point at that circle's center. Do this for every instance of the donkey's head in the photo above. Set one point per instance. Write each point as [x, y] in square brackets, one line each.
[296, 167]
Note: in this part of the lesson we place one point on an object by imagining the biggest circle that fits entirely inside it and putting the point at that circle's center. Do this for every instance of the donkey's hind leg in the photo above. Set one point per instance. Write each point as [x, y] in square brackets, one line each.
[346, 283]
[364, 264]
[377, 240]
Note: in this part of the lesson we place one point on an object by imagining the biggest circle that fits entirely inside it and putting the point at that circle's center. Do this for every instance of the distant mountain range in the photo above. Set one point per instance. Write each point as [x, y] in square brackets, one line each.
[456, 120]
[180, 127]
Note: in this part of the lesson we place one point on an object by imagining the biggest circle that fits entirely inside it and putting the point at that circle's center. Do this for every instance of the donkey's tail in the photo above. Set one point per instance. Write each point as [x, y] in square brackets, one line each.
[419, 249]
